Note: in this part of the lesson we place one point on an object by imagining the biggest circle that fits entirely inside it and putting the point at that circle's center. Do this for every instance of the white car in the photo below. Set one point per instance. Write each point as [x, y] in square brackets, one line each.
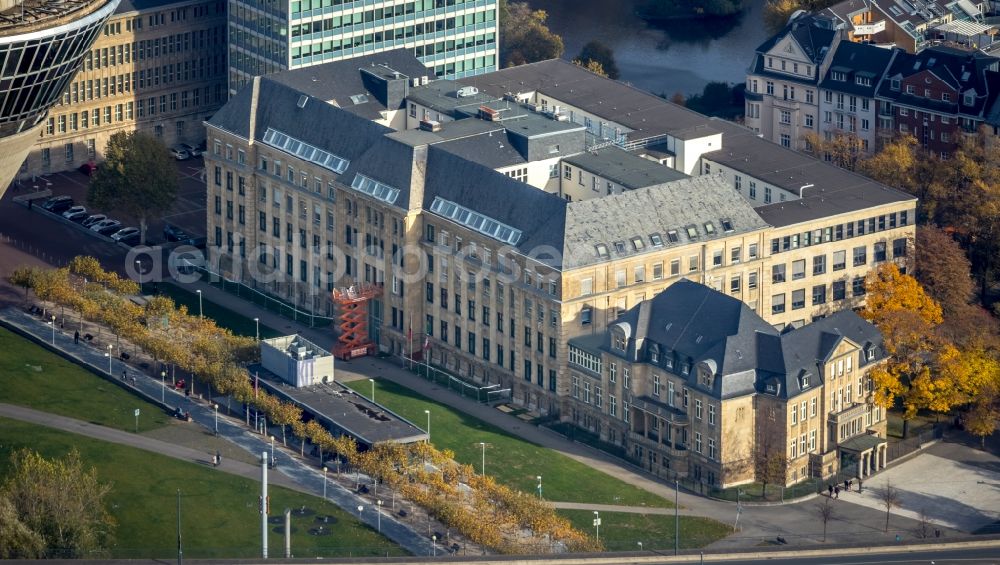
[74, 210]
[178, 152]
[125, 233]
[105, 227]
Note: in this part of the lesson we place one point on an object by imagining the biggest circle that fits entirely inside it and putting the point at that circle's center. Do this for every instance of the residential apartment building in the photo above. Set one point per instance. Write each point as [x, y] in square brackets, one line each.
[871, 94]
[454, 38]
[697, 385]
[490, 245]
[782, 103]
[158, 66]
[938, 96]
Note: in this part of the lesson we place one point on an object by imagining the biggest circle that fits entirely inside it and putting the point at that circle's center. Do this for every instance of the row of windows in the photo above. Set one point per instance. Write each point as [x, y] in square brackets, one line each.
[840, 232]
[837, 291]
[859, 258]
[196, 41]
[301, 8]
[375, 38]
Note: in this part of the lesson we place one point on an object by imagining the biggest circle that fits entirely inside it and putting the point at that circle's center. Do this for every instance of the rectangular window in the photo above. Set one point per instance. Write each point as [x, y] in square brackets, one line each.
[840, 260]
[819, 294]
[798, 299]
[860, 256]
[778, 304]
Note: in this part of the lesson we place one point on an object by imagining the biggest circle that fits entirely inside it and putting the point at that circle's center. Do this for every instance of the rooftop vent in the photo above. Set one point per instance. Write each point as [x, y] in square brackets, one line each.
[467, 91]
[303, 99]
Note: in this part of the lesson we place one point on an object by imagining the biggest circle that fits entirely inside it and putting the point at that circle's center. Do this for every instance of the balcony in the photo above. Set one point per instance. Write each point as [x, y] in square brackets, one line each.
[855, 410]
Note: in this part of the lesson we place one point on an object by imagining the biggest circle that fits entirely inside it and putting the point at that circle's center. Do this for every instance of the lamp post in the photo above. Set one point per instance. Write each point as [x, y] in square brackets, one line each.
[272, 451]
[677, 518]
[324, 482]
[428, 412]
[379, 514]
[257, 321]
[53, 324]
[201, 312]
[138, 271]
[539, 477]
[109, 359]
[434, 547]
[640, 545]
[163, 387]
[372, 381]
[216, 406]
[360, 510]
[597, 525]
[483, 445]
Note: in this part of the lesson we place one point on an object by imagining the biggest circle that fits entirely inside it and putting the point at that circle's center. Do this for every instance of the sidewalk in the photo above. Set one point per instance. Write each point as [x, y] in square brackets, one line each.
[291, 470]
[796, 522]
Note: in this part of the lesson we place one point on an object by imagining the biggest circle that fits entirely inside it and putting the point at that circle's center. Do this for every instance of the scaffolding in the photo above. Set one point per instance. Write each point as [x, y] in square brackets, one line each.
[352, 307]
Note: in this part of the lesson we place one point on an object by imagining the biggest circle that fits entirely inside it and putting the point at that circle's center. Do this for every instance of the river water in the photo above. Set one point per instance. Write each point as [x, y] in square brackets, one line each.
[665, 57]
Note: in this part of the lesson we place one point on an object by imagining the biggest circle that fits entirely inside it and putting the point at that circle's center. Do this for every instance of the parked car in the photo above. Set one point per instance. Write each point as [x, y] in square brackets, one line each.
[124, 232]
[192, 151]
[199, 242]
[76, 217]
[93, 219]
[130, 240]
[58, 204]
[106, 227]
[174, 233]
[180, 153]
[75, 210]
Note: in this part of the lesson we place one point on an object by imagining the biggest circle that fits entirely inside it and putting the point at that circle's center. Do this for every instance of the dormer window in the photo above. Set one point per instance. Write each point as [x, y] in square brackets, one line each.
[654, 354]
[863, 81]
[618, 341]
[894, 84]
[771, 389]
[910, 89]
[838, 75]
[969, 99]
[669, 361]
[686, 369]
[871, 353]
[805, 382]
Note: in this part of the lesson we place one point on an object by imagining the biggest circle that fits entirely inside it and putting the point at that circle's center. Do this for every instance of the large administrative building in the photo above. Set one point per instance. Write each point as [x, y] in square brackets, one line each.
[509, 215]
[42, 44]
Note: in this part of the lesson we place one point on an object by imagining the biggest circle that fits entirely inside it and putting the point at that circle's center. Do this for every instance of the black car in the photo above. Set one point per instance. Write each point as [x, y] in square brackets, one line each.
[174, 233]
[131, 240]
[58, 204]
[78, 217]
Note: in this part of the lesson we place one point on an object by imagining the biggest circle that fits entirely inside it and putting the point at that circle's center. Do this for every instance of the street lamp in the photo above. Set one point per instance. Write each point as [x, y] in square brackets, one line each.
[163, 387]
[597, 526]
[53, 324]
[360, 510]
[216, 406]
[434, 546]
[324, 482]
[539, 477]
[257, 321]
[640, 545]
[272, 451]
[428, 412]
[201, 313]
[109, 359]
[372, 381]
[483, 445]
[138, 271]
[379, 514]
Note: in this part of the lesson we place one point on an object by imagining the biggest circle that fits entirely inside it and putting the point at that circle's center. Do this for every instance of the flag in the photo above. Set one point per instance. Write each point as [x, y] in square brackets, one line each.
[427, 343]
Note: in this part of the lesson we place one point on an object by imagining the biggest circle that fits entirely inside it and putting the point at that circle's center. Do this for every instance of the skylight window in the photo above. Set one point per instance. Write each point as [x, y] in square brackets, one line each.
[620, 247]
[304, 151]
[709, 228]
[602, 251]
[638, 244]
[482, 224]
[657, 239]
[672, 236]
[375, 189]
[692, 232]
[727, 225]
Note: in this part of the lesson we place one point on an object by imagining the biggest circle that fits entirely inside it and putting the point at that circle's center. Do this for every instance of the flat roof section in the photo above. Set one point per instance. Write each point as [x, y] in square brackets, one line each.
[344, 411]
[624, 168]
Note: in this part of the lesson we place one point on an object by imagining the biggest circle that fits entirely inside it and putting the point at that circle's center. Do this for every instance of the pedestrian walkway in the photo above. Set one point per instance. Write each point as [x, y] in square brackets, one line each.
[291, 470]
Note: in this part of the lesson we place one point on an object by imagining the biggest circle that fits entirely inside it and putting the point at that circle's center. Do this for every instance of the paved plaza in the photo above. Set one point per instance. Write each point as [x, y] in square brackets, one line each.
[960, 495]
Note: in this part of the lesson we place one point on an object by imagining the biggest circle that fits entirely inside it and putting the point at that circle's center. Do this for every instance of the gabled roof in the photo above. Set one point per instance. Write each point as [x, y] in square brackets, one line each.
[813, 34]
[692, 323]
[858, 59]
[961, 70]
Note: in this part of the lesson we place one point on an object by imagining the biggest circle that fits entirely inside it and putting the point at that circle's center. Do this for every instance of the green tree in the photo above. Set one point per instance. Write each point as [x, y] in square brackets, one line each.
[526, 38]
[17, 540]
[61, 501]
[138, 178]
[597, 52]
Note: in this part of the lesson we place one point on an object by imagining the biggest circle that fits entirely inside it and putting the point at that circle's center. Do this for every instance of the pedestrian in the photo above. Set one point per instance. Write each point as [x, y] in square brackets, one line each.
[847, 484]
[124, 375]
[829, 489]
[215, 460]
[133, 381]
[836, 492]
[76, 337]
[218, 457]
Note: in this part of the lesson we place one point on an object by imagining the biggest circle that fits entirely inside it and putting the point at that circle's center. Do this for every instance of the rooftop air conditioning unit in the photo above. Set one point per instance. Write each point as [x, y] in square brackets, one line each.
[466, 91]
[430, 125]
[424, 80]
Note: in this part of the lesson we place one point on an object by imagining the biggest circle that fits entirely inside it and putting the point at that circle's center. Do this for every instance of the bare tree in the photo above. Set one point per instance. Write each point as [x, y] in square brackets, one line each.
[923, 526]
[890, 499]
[825, 511]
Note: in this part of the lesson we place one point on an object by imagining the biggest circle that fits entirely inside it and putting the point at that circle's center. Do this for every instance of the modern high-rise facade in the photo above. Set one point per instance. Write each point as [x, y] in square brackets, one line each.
[42, 43]
[454, 38]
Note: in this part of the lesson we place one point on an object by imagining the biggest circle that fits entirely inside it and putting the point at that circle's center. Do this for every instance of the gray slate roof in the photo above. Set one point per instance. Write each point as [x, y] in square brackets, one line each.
[689, 323]
[857, 59]
[653, 210]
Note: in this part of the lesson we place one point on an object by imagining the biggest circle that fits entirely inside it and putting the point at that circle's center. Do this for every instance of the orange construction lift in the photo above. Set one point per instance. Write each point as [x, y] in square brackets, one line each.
[352, 303]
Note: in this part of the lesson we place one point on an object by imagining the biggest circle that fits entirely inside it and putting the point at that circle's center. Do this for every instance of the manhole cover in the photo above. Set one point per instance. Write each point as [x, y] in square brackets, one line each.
[319, 531]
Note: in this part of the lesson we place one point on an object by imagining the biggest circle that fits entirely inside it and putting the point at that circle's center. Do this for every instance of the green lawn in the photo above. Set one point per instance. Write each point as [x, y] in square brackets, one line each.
[623, 532]
[219, 511]
[34, 377]
[224, 317]
[513, 461]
